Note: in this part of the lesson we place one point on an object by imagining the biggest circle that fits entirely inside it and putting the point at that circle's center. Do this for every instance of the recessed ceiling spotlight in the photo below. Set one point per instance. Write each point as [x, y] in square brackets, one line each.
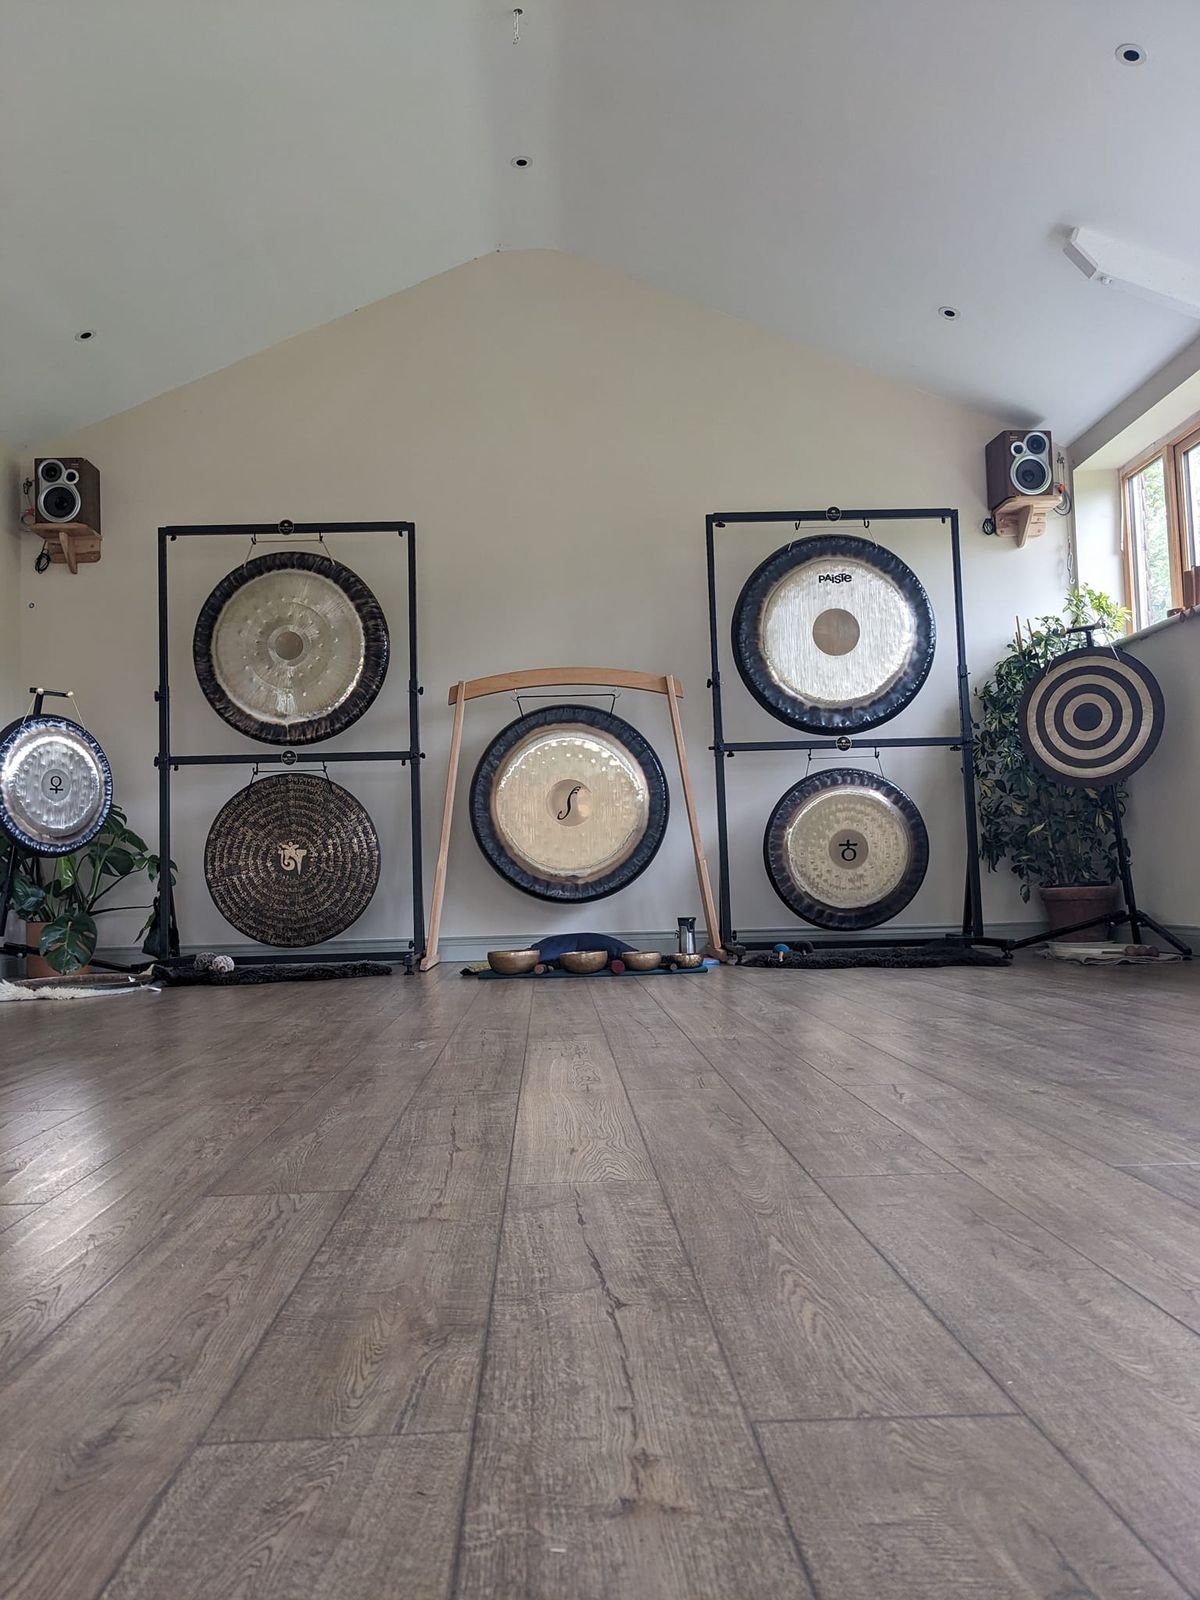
[84, 335]
[948, 313]
[520, 161]
[1130, 54]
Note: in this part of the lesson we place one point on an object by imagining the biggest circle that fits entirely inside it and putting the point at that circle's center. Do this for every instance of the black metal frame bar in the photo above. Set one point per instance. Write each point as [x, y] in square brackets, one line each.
[168, 761]
[963, 741]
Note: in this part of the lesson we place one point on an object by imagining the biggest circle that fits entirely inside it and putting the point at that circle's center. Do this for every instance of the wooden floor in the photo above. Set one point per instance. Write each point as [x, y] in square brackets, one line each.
[862, 1285]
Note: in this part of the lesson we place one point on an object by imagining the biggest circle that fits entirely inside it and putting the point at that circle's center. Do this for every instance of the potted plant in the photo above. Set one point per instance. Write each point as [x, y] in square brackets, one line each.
[1056, 836]
[59, 896]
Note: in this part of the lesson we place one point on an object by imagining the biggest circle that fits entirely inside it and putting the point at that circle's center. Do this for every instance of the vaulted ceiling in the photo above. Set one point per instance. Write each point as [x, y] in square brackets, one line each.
[197, 181]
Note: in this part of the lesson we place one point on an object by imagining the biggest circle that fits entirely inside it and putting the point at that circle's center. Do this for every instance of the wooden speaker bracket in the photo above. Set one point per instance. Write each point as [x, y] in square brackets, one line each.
[71, 542]
[1024, 516]
[565, 677]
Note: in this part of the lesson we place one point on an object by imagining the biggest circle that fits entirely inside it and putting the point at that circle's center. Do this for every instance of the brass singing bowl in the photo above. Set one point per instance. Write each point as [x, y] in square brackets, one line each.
[696, 959]
[584, 960]
[510, 961]
[642, 960]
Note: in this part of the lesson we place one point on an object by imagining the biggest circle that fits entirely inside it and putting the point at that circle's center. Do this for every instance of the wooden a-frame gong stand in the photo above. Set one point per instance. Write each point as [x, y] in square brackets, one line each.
[556, 678]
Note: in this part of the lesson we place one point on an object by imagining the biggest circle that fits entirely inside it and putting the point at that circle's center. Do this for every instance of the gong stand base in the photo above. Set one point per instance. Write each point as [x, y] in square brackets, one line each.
[169, 762]
[962, 742]
[560, 678]
[1128, 912]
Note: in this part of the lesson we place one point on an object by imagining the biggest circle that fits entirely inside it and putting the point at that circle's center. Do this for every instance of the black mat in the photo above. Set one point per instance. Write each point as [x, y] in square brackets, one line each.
[904, 955]
[605, 972]
[279, 972]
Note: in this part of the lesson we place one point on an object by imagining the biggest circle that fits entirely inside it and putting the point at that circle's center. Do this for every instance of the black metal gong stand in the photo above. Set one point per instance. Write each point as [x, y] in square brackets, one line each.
[169, 761]
[724, 749]
[1129, 912]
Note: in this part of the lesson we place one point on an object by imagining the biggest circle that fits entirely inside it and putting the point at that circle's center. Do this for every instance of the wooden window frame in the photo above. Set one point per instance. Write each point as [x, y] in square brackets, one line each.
[1181, 554]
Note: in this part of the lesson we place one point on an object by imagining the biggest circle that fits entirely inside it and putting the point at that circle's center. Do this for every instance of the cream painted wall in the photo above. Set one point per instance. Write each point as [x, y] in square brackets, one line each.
[12, 553]
[557, 432]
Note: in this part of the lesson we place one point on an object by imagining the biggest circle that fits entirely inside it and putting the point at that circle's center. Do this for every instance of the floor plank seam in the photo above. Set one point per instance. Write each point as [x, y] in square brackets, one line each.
[785, 1517]
[890, 1416]
[461, 1520]
[394, 1436]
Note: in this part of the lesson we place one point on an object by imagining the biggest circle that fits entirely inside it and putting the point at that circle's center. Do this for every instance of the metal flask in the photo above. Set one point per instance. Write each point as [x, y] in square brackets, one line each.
[687, 936]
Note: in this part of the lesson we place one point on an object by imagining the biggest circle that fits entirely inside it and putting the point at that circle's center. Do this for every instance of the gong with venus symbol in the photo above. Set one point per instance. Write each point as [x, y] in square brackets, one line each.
[291, 647]
[569, 803]
[845, 849]
[833, 632]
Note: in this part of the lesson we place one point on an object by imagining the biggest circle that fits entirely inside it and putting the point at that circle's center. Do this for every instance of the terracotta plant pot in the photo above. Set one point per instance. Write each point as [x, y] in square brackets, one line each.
[36, 966]
[1065, 906]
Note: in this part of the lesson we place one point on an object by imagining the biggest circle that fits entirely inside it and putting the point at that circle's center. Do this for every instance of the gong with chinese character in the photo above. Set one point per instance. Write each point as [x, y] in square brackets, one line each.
[292, 859]
[569, 803]
[55, 785]
[845, 849]
[833, 633]
[1091, 717]
[290, 647]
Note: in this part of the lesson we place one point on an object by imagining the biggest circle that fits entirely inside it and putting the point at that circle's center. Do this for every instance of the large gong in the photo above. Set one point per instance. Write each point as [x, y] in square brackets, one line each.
[1092, 717]
[846, 849]
[291, 647]
[55, 785]
[833, 633]
[569, 803]
[292, 860]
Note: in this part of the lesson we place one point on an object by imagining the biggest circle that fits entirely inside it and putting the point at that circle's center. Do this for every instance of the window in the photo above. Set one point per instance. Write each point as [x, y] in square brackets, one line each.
[1161, 494]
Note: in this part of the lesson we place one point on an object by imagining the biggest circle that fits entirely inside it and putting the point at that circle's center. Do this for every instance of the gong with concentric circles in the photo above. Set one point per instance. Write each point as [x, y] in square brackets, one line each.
[569, 803]
[292, 859]
[55, 785]
[832, 633]
[291, 647]
[845, 849]
[1092, 717]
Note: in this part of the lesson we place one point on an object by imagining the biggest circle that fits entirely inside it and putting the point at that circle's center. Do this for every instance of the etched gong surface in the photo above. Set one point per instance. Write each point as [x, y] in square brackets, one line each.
[292, 860]
[845, 849]
[55, 785]
[569, 803]
[1092, 717]
[833, 632]
[291, 647]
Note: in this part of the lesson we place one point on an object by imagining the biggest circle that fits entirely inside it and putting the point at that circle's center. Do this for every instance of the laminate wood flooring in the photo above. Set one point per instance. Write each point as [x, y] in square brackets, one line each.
[856, 1285]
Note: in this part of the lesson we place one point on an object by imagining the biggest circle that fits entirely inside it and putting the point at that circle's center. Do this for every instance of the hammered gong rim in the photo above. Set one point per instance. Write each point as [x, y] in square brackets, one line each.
[1125, 705]
[777, 860]
[757, 672]
[292, 860]
[15, 805]
[359, 692]
[489, 834]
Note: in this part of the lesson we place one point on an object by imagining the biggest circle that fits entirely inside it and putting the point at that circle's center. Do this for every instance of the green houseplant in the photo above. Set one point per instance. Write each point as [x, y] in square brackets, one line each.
[1052, 835]
[63, 893]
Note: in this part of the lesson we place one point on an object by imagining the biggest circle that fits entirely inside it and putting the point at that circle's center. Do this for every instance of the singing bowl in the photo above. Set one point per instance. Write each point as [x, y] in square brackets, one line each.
[642, 960]
[694, 959]
[584, 960]
[511, 961]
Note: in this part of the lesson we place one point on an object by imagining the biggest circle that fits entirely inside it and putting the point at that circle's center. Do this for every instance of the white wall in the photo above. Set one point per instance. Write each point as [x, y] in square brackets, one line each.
[14, 549]
[557, 432]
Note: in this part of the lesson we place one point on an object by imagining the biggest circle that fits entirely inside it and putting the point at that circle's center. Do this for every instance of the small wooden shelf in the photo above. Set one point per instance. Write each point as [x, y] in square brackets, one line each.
[1023, 516]
[72, 543]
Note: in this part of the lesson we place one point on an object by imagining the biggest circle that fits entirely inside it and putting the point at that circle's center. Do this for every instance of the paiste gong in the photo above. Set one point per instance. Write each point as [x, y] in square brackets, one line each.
[55, 785]
[845, 849]
[290, 648]
[1092, 717]
[833, 633]
[292, 860]
[569, 803]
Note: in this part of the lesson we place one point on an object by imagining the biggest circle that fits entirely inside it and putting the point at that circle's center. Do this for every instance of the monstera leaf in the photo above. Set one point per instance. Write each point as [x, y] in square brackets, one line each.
[69, 942]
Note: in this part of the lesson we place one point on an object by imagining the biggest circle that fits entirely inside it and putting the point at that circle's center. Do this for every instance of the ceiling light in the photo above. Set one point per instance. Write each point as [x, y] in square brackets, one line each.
[948, 313]
[84, 335]
[520, 161]
[1130, 54]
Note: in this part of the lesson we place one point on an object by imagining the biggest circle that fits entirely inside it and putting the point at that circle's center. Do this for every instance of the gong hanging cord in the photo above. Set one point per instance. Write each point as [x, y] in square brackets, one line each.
[612, 696]
[256, 539]
[841, 755]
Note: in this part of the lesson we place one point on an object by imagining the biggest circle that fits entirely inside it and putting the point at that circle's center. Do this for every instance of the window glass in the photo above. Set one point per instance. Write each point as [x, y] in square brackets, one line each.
[1150, 555]
[1190, 473]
